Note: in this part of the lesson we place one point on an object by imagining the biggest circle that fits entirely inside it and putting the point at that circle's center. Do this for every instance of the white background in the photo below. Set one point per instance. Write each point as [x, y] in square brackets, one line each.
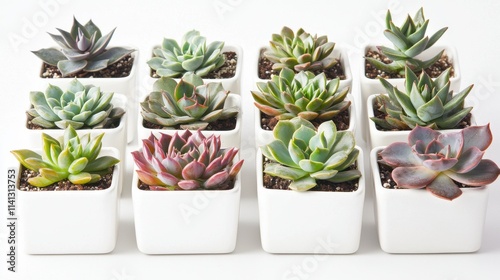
[473, 30]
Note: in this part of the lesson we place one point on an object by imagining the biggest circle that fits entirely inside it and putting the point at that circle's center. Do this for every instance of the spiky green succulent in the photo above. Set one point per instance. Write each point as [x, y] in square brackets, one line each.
[302, 154]
[288, 95]
[192, 56]
[186, 161]
[79, 106]
[409, 41]
[83, 49]
[437, 162]
[72, 157]
[300, 51]
[189, 103]
[424, 102]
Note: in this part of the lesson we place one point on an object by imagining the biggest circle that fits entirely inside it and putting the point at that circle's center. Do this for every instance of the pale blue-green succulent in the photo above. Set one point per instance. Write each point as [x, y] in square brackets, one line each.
[302, 154]
[79, 106]
[191, 56]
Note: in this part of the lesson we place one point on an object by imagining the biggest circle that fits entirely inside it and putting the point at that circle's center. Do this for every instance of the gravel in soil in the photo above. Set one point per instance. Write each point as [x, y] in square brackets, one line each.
[433, 71]
[341, 121]
[277, 183]
[266, 70]
[119, 69]
[229, 184]
[221, 125]
[64, 185]
[226, 71]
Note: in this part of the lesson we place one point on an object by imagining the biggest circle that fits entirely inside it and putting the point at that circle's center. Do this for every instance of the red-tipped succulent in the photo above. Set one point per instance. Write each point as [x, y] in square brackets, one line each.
[438, 162]
[189, 161]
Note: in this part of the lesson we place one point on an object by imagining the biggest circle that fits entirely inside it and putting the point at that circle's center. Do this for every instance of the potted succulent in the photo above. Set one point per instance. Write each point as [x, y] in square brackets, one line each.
[84, 53]
[423, 101]
[311, 97]
[85, 107]
[191, 104]
[449, 166]
[411, 48]
[216, 62]
[172, 174]
[76, 185]
[310, 189]
[301, 51]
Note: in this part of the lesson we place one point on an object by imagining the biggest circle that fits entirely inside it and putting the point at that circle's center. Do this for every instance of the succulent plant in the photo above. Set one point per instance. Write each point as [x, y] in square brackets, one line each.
[300, 51]
[409, 41]
[438, 162]
[189, 103]
[79, 106]
[425, 102]
[310, 97]
[302, 154]
[74, 158]
[189, 161]
[192, 56]
[83, 49]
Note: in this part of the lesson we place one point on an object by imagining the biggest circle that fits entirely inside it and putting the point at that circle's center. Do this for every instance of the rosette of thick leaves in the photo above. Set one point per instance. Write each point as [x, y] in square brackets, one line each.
[437, 162]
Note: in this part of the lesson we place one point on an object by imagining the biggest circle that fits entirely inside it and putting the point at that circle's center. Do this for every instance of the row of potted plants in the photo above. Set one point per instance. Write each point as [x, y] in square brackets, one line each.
[310, 171]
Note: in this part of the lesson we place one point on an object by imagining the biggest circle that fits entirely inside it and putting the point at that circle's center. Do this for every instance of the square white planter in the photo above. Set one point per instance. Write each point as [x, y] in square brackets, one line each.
[70, 222]
[113, 137]
[310, 222]
[373, 86]
[186, 222]
[385, 138]
[263, 137]
[415, 221]
[338, 52]
[232, 84]
[123, 85]
[229, 138]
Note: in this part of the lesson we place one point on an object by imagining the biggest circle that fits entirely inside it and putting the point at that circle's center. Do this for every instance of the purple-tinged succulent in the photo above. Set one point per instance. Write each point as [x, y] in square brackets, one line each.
[438, 162]
[189, 161]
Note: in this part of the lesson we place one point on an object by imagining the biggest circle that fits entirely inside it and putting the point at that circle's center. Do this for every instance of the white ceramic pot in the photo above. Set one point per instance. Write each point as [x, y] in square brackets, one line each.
[373, 86]
[70, 222]
[123, 85]
[384, 138]
[113, 137]
[229, 138]
[310, 222]
[186, 222]
[232, 84]
[263, 137]
[415, 221]
[338, 52]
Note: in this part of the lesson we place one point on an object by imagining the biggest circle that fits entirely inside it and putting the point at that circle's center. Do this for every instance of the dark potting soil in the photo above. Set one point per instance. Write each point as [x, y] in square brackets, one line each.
[119, 69]
[266, 70]
[33, 126]
[64, 185]
[229, 184]
[277, 183]
[226, 71]
[466, 122]
[341, 121]
[433, 71]
[223, 125]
